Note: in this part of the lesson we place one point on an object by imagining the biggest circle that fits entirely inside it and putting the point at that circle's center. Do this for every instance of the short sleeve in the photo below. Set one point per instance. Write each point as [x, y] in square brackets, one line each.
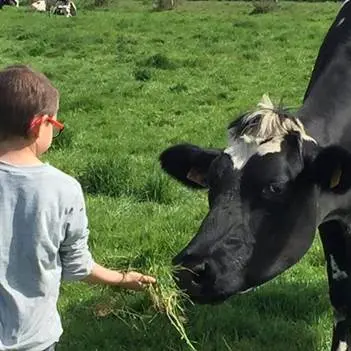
[76, 259]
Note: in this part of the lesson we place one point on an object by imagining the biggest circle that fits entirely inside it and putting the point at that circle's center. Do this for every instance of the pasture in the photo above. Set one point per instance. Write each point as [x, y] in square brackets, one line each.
[132, 83]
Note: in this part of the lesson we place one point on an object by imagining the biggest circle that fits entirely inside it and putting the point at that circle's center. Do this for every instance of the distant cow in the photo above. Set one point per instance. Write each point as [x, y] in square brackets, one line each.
[64, 7]
[281, 177]
[58, 7]
[9, 3]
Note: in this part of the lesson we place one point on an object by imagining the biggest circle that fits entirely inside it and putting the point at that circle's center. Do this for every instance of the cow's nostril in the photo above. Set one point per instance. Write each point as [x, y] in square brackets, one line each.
[199, 272]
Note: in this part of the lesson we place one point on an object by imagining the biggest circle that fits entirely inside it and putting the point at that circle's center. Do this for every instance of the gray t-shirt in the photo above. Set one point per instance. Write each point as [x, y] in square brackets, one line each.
[43, 238]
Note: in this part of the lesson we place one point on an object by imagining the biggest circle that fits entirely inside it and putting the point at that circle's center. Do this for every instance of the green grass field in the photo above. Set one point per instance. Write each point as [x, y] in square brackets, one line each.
[132, 83]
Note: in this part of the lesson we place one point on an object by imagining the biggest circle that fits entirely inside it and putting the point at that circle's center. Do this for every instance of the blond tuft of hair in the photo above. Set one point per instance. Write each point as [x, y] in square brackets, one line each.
[271, 124]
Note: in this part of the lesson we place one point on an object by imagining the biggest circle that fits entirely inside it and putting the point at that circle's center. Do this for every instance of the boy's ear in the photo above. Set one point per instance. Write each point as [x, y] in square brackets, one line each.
[332, 169]
[188, 164]
[34, 127]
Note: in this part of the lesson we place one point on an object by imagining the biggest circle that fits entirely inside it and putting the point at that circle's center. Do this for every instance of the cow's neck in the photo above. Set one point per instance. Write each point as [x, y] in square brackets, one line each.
[334, 208]
[326, 112]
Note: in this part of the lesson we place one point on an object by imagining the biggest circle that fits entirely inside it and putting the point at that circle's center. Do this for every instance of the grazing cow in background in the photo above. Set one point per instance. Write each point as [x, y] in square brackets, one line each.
[282, 177]
[64, 7]
[58, 7]
[9, 3]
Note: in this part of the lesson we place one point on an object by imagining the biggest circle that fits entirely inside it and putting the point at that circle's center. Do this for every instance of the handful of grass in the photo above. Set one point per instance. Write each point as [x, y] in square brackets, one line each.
[167, 298]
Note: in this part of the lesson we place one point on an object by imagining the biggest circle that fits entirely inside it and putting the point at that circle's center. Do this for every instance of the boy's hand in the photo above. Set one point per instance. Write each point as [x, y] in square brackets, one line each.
[129, 280]
[136, 281]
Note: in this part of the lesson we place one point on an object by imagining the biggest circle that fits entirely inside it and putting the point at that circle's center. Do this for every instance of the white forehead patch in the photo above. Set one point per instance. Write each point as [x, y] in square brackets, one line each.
[241, 151]
[261, 132]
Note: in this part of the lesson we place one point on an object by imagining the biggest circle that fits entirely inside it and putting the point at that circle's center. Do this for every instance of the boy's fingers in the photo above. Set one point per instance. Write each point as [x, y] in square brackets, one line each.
[147, 279]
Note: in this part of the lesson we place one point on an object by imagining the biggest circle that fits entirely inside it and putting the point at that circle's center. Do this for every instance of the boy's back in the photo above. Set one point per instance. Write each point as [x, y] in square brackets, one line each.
[41, 219]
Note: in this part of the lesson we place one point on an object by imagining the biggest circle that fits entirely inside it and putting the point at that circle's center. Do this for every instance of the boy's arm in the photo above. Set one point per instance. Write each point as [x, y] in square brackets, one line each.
[76, 259]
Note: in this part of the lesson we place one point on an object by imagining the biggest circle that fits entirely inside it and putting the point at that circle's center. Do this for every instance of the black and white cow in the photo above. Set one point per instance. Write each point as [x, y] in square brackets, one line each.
[280, 179]
[65, 8]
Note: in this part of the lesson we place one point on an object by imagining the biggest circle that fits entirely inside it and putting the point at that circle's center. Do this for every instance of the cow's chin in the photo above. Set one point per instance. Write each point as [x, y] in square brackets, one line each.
[216, 299]
[214, 296]
[209, 299]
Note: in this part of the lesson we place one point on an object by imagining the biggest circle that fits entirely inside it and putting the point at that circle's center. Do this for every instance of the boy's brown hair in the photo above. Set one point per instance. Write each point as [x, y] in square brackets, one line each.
[24, 94]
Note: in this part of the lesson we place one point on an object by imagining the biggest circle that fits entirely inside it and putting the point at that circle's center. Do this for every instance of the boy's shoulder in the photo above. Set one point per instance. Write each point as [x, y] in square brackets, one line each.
[65, 180]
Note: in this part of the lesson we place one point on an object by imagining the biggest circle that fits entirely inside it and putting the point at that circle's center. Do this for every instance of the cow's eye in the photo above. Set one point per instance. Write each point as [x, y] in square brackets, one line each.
[274, 189]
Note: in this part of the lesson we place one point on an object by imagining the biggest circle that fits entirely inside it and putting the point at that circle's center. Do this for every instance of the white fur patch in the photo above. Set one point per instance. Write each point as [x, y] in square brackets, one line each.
[252, 139]
[337, 273]
[341, 22]
[342, 346]
[240, 152]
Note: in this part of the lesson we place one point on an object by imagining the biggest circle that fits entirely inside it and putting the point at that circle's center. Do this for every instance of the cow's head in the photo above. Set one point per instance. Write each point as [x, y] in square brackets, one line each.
[267, 192]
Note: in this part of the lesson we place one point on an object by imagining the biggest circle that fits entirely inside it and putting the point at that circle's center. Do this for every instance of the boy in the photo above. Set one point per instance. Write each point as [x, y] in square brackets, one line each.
[43, 224]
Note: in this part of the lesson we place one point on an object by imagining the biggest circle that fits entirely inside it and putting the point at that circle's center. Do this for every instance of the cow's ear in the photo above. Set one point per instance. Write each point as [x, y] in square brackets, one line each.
[332, 169]
[188, 163]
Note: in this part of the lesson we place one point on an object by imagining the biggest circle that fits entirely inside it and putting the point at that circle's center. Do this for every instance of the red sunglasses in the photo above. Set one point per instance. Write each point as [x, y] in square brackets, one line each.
[58, 126]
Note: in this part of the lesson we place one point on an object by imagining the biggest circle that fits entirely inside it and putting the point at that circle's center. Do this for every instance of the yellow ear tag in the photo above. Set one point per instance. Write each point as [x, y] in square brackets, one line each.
[335, 179]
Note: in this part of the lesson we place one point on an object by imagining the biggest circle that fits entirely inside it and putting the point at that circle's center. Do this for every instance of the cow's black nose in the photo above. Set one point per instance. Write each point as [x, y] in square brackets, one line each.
[192, 276]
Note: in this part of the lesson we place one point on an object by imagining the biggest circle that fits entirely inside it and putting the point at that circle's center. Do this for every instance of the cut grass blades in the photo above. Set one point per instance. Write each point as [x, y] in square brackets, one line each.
[168, 299]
